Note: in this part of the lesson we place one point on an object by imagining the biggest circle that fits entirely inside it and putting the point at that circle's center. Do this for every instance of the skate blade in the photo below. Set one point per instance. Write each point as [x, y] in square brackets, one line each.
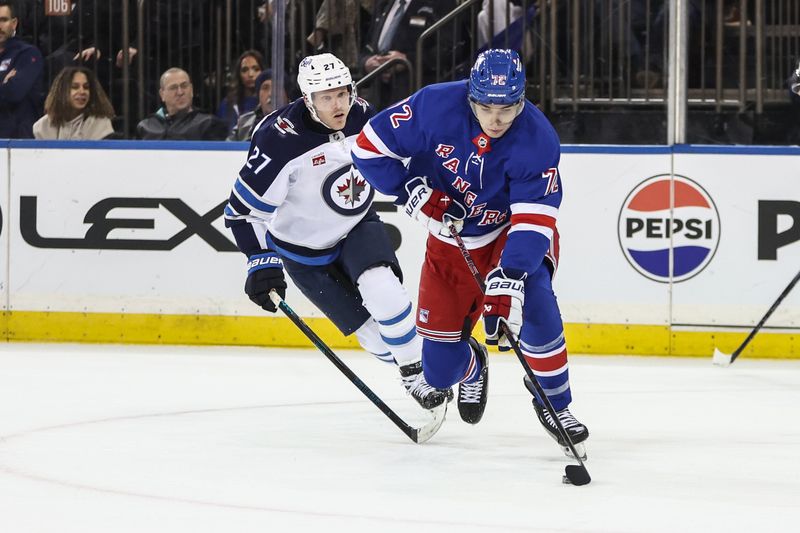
[580, 448]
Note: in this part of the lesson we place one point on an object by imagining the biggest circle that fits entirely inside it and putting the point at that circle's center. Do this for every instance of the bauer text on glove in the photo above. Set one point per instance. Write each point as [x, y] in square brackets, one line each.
[503, 302]
[265, 273]
[432, 208]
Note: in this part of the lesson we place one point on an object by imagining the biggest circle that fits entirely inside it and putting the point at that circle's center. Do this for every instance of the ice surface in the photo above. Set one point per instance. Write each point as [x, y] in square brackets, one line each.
[176, 439]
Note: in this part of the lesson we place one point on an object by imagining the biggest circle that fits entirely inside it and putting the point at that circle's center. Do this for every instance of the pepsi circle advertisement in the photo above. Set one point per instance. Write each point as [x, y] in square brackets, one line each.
[668, 228]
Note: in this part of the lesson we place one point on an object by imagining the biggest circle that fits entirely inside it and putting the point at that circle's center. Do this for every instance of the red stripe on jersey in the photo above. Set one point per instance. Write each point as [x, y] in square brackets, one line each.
[548, 364]
[365, 144]
[531, 218]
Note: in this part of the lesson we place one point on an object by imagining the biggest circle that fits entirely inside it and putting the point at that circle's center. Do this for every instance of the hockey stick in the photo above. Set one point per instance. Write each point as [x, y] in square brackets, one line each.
[574, 474]
[418, 435]
[723, 359]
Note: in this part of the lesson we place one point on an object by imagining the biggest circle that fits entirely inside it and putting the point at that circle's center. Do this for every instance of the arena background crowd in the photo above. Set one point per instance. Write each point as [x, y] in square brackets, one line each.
[203, 69]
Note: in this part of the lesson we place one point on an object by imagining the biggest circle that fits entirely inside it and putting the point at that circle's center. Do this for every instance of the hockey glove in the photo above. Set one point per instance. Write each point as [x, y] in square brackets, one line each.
[503, 303]
[432, 208]
[265, 273]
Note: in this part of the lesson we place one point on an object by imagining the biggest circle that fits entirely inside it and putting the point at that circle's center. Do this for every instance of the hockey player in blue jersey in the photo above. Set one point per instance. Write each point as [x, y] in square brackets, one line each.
[478, 153]
[300, 206]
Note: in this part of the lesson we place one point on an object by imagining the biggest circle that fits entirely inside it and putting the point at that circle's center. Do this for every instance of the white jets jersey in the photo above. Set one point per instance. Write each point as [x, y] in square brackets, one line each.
[298, 192]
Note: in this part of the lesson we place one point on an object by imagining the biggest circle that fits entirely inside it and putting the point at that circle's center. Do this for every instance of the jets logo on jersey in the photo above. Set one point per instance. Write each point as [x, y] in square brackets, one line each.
[397, 118]
[352, 189]
[347, 192]
[361, 102]
[668, 220]
[284, 126]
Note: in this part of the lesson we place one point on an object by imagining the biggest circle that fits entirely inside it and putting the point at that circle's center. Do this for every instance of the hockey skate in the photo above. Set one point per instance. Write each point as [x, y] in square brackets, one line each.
[425, 395]
[577, 432]
[472, 396]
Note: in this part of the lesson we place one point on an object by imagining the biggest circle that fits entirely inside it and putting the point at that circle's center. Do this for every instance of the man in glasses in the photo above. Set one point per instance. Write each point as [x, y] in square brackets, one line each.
[177, 119]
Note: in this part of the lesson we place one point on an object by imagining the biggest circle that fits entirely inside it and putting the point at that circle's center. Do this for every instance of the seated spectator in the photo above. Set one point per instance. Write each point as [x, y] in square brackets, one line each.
[244, 127]
[21, 79]
[242, 93]
[76, 108]
[177, 119]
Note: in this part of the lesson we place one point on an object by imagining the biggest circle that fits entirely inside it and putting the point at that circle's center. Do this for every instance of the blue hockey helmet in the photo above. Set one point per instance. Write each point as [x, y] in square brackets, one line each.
[497, 77]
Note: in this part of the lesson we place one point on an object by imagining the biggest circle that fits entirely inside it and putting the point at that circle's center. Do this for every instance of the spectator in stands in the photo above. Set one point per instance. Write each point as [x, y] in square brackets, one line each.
[88, 33]
[244, 126]
[177, 119]
[794, 96]
[242, 94]
[505, 17]
[21, 79]
[76, 108]
[338, 28]
[393, 34]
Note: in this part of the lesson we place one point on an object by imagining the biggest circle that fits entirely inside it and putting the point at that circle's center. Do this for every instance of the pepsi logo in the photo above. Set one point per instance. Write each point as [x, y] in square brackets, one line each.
[668, 228]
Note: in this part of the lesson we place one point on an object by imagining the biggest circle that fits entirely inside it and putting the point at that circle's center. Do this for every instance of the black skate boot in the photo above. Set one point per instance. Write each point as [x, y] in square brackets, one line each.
[577, 432]
[472, 396]
[425, 395]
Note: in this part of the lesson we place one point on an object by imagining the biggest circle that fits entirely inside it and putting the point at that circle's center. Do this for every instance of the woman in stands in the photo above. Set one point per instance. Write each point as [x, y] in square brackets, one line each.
[76, 108]
[242, 97]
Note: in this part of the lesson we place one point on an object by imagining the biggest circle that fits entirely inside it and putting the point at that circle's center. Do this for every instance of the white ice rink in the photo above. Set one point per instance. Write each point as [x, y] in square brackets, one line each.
[176, 439]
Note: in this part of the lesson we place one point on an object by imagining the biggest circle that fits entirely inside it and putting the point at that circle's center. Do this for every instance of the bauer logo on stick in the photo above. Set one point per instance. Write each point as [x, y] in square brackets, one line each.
[661, 214]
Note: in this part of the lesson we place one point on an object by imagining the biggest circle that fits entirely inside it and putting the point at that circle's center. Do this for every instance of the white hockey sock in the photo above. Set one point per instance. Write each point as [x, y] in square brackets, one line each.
[387, 301]
[370, 339]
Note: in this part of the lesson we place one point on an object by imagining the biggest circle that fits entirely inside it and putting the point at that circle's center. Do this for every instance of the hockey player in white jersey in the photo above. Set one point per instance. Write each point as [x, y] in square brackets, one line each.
[299, 205]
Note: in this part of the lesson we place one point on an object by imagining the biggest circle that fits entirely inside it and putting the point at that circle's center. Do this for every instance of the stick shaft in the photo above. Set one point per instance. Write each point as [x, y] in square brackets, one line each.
[344, 369]
[515, 345]
[763, 320]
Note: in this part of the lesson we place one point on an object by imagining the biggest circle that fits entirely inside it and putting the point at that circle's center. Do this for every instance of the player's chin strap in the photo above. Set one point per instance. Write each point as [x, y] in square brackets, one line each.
[418, 435]
[575, 474]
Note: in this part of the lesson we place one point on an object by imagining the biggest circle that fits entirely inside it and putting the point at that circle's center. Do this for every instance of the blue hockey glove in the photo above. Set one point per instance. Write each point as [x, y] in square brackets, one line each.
[432, 208]
[503, 303]
[265, 273]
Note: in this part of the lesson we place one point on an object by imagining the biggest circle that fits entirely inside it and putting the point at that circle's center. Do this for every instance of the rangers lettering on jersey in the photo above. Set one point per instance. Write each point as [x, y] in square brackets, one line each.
[499, 184]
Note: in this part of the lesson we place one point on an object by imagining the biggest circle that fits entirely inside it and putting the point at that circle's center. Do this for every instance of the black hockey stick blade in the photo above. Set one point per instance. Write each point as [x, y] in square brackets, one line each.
[418, 435]
[576, 475]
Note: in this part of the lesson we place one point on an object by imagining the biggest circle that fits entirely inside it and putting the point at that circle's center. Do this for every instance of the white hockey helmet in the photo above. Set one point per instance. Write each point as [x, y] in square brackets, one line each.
[320, 73]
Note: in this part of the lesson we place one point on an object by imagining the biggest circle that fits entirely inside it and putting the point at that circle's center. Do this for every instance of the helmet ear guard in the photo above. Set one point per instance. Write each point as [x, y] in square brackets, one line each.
[497, 78]
[320, 73]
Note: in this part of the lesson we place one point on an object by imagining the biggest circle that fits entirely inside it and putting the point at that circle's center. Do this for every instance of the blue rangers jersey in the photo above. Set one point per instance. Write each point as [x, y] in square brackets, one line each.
[298, 192]
[511, 180]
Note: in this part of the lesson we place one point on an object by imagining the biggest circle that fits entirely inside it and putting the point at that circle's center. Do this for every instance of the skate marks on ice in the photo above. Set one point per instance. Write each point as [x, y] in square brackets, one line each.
[180, 439]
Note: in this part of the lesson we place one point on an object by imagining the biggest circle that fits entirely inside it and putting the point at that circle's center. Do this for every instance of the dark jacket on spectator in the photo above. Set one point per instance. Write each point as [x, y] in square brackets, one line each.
[244, 126]
[22, 96]
[191, 125]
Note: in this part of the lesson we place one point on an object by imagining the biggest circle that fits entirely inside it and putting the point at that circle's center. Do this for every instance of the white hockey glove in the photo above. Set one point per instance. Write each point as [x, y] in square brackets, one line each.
[432, 208]
[503, 303]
